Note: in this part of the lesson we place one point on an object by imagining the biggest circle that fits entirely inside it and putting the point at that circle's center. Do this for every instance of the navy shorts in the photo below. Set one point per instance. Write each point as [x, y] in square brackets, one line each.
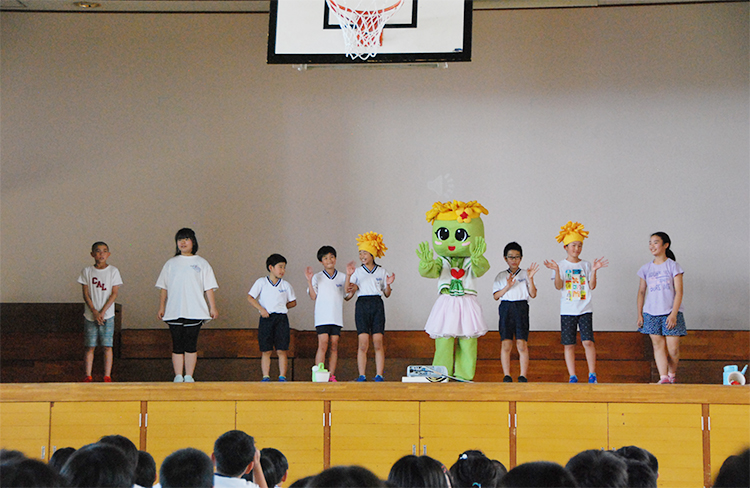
[334, 330]
[369, 315]
[273, 332]
[657, 325]
[514, 320]
[569, 324]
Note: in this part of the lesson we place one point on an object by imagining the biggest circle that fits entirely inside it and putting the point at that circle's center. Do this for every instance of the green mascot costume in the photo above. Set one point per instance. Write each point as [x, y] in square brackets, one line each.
[458, 238]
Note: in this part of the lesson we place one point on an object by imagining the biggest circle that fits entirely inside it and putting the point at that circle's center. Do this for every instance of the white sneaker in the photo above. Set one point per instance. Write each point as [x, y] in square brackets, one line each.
[189, 379]
[178, 378]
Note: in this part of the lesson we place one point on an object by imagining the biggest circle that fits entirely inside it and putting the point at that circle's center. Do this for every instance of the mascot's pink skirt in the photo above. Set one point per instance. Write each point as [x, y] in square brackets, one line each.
[456, 317]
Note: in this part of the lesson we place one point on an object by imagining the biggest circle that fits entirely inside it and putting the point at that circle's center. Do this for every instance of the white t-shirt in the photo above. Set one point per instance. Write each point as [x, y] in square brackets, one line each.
[186, 278]
[227, 482]
[329, 303]
[520, 289]
[272, 297]
[100, 283]
[575, 295]
[370, 282]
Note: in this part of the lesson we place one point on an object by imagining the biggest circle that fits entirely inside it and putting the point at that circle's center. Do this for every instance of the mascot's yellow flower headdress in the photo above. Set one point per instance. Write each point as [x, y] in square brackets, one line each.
[456, 210]
[372, 242]
[572, 232]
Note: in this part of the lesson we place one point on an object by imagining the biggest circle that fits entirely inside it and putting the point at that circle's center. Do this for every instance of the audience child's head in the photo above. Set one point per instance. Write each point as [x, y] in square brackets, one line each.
[127, 446]
[538, 474]
[98, 464]
[473, 468]
[32, 473]
[9, 455]
[187, 234]
[639, 454]
[302, 482]
[233, 454]
[145, 473]
[734, 472]
[418, 472]
[346, 477]
[596, 468]
[500, 471]
[269, 473]
[279, 462]
[60, 457]
[187, 468]
[640, 474]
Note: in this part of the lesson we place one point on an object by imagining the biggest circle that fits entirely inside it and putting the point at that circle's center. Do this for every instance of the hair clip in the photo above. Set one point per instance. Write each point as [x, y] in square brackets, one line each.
[463, 456]
[479, 485]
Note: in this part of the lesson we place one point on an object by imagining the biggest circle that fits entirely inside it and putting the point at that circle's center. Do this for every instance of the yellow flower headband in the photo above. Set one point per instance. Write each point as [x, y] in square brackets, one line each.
[372, 242]
[456, 210]
[572, 232]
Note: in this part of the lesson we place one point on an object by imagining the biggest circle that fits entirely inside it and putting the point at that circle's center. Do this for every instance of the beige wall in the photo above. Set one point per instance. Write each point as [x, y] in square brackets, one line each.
[127, 127]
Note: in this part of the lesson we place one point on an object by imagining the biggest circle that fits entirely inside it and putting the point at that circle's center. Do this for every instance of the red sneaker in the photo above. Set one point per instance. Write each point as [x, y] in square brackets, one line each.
[332, 379]
[108, 379]
[88, 379]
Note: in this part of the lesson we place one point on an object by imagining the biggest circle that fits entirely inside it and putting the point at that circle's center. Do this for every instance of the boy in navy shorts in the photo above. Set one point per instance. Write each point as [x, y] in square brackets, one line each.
[514, 287]
[273, 297]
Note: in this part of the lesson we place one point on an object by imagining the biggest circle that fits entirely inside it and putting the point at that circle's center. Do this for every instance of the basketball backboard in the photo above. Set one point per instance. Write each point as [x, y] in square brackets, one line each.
[308, 32]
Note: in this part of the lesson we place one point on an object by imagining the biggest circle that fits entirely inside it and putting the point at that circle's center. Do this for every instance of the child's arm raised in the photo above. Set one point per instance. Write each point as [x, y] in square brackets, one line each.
[310, 289]
[558, 279]
[389, 279]
[350, 267]
[530, 273]
[508, 285]
[639, 301]
[258, 477]
[598, 263]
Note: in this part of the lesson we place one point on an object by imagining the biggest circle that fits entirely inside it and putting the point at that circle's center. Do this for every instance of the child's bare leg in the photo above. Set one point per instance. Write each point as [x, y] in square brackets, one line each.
[265, 363]
[334, 357]
[660, 353]
[673, 347]
[191, 358]
[320, 355]
[507, 347]
[590, 349]
[178, 361]
[107, 361]
[282, 363]
[363, 343]
[570, 358]
[377, 343]
[88, 360]
[523, 355]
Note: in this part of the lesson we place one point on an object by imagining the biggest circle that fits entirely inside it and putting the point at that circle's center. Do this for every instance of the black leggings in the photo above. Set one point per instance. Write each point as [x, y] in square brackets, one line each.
[184, 337]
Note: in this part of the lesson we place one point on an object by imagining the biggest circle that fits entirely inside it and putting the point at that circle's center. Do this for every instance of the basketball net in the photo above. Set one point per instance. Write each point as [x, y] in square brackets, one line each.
[362, 24]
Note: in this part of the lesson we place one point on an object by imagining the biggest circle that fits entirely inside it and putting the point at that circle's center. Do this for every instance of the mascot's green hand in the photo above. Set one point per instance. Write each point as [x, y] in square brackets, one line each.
[478, 262]
[425, 253]
[428, 266]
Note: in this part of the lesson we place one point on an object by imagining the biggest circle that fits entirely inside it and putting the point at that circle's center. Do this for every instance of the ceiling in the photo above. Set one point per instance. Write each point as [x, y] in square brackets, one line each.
[262, 6]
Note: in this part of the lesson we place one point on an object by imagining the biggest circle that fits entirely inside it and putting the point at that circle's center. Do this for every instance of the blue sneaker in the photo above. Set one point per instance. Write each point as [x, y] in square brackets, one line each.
[573, 379]
[266, 379]
[592, 378]
[361, 378]
[379, 378]
[282, 378]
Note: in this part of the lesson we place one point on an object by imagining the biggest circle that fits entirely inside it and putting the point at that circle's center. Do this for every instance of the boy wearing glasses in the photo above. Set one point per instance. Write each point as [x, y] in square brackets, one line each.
[514, 287]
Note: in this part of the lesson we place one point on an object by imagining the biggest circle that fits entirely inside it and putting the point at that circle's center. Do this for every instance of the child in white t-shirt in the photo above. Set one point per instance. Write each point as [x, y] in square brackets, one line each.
[101, 284]
[273, 297]
[576, 279]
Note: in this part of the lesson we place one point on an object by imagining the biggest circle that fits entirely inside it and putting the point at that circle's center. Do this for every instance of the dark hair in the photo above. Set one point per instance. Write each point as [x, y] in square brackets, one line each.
[145, 473]
[97, 244]
[127, 446]
[512, 246]
[279, 462]
[473, 467]
[326, 250]
[233, 451]
[666, 240]
[60, 457]
[501, 471]
[640, 474]
[595, 468]
[639, 454]
[186, 233]
[274, 259]
[418, 472]
[98, 464]
[302, 482]
[7, 455]
[346, 477]
[538, 473]
[735, 471]
[32, 473]
[188, 468]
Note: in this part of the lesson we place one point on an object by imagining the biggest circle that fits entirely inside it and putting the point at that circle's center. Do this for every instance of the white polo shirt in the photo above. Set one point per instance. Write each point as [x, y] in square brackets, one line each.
[329, 303]
[370, 282]
[272, 297]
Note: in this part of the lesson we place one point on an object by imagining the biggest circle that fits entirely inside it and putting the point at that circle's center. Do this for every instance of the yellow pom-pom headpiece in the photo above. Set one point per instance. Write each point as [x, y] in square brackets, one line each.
[461, 212]
[571, 232]
[372, 242]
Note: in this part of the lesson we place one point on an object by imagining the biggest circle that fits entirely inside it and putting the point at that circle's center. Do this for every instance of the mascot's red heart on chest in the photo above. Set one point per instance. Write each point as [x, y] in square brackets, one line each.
[457, 273]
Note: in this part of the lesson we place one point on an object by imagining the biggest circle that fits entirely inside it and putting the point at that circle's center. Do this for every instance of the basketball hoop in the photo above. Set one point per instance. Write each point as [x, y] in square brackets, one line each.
[363, 26]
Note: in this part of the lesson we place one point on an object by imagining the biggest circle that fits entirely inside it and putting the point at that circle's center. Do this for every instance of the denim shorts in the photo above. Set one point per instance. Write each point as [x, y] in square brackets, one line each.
[657, 325]
[99, 335]
[569, 324]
